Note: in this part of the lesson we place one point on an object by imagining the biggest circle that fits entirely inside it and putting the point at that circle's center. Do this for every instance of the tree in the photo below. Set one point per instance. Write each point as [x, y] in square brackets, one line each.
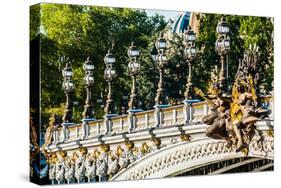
[80, 31]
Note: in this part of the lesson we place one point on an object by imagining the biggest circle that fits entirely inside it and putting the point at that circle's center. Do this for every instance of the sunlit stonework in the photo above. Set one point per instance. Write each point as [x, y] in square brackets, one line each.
[225, 127]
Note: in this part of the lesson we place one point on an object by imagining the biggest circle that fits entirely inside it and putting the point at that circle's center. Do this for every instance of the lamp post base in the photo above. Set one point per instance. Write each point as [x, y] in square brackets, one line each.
[132, 118]
[65, 132]
[187, 110]
[108, 123]
[159, 114]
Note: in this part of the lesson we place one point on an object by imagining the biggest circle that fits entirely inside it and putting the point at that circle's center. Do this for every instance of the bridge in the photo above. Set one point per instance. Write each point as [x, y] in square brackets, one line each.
[230, 131]
[153, 144]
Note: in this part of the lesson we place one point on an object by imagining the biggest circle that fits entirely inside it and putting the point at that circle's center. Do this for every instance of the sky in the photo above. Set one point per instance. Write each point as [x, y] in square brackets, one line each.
[167, 14]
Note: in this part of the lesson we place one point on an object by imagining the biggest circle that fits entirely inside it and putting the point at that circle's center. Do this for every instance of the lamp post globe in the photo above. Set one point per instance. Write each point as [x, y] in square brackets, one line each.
[68, 87]
[190, 54]
[88, 67]
[134, 70]
[109, 75]
[109, 58]
[162, 61]
[189, 35]
[161, 43]
[222, 47]
[133, 51]
[222, 27]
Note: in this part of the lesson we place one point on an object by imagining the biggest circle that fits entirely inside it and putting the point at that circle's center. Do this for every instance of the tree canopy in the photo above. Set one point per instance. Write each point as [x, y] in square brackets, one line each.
[78, 31]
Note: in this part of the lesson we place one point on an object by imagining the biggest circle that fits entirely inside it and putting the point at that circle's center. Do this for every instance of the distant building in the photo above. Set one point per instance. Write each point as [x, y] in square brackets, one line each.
[194, 21]
[180, 23]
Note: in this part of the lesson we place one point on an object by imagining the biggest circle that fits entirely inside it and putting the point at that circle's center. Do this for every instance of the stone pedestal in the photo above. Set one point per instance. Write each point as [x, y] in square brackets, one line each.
[85, 126]
[188, 110]
[158, 114]
[132, 119]
[108, 123]
[65, 131]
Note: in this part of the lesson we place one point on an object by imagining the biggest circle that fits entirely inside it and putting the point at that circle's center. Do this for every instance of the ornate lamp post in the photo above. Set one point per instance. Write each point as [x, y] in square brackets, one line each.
[68, 87]
[160, 99]
[109, 75]
[190, 55]
[222, 48]
[88, 67]
[134, 70]
[161, 59]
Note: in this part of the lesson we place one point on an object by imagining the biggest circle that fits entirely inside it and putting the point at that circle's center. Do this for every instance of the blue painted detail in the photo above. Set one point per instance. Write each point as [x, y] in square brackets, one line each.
[191, 101]
[161, 105]
[68, 124]
[135, 110]
[110, 115]
[181, 22]
[88, 119]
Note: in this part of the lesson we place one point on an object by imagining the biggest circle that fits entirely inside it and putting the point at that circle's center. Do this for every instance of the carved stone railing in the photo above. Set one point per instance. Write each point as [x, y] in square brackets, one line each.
[172, 156]
[186, 156]
[181, 125]
[170, 116]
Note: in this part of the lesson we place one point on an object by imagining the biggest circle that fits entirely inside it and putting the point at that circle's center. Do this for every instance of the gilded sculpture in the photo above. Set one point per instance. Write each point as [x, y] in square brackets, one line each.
[233, 117]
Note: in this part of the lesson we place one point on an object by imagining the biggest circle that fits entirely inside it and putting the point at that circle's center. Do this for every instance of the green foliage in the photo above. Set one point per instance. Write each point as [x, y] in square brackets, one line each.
[79, 31]
[244, 31]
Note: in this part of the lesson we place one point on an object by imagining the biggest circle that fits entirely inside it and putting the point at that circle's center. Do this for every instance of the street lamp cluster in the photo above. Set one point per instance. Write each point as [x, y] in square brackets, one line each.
[190, 54]
[159, 57]
[222, 48]
[134, 70]
[68, 87]
[162, 61]
[89, 82]
[109, 75]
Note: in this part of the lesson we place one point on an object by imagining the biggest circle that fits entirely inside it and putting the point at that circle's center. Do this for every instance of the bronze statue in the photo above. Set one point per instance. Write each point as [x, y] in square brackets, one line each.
[53, 125]
[233, 117]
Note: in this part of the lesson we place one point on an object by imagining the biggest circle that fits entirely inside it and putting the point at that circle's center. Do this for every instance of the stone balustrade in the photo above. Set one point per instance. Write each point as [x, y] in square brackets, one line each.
[169, 116]
[108, 151]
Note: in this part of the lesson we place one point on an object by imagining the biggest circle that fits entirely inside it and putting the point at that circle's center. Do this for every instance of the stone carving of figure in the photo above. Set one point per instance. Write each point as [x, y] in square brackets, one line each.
[91, 167]
[53, 125]
[217, 120]
[113, 165]
[52, 167]
[80, 165]
[60, 166]
[233, 117]
[102, 162]
[70, 168]
[156, 144]
[102, 166]
[123, 160]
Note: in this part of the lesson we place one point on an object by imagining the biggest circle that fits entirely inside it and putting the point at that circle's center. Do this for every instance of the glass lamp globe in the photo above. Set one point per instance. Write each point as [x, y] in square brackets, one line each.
[222, 27]
[89, 79]
[133, 51]
[189, 35]
[67, 72]
[218, 44]
[109, 58]
[226, 43]
[68, 86]
[88, 65]
[161, 58]
[134, 68]
[161, 44]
